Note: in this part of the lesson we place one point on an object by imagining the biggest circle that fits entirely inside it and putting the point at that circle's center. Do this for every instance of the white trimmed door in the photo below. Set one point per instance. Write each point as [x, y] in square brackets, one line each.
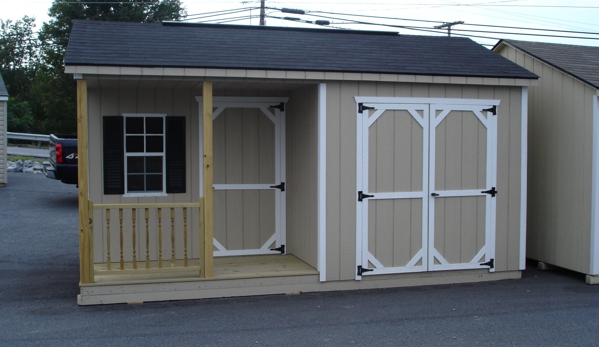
[426, 184]
[249, 175]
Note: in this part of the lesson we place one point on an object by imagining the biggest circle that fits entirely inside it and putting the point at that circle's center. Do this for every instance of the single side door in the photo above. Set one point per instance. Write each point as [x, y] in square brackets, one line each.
[249, 175]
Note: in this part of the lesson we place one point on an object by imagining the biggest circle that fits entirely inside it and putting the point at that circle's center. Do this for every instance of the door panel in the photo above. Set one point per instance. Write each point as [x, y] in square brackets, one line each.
[244, 219]
[397, 236]
[460, 152]
[244, 147]
[459, 228]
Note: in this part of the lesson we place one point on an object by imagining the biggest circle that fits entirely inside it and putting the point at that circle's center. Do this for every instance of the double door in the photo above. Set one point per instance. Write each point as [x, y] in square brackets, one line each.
[426, 184]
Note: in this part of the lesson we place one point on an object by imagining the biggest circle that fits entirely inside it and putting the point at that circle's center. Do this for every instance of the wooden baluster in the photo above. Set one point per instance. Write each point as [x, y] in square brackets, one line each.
[160, 238]
[134, 220]
[147, 239]
[108, 261]
[121, 237]
[172, 237]
[185, 236]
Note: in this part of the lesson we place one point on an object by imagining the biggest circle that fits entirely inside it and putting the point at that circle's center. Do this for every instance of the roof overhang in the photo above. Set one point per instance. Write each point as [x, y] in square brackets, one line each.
[269, 76]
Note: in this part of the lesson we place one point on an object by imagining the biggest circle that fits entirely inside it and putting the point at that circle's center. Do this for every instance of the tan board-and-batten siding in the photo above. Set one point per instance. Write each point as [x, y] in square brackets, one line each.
[560, 166]
[341, 165]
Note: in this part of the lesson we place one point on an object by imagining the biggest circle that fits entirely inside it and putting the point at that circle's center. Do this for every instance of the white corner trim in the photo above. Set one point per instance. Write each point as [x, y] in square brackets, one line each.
[594, 258]
[322, 181]
[523, 177]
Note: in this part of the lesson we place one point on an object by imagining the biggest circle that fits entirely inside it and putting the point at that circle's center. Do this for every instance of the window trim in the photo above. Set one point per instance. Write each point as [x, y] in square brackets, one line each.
[126, 155]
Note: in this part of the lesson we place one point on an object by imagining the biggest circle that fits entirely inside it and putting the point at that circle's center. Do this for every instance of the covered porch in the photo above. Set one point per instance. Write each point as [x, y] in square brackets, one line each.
[125, 243]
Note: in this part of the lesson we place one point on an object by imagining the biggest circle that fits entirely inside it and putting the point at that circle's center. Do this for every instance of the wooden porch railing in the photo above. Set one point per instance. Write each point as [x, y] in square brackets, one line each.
[147, 225]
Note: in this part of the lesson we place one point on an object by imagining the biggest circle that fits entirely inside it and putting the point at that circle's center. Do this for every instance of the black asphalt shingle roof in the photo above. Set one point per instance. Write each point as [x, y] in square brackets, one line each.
[3, 90]
[581, 62]
[272, 48]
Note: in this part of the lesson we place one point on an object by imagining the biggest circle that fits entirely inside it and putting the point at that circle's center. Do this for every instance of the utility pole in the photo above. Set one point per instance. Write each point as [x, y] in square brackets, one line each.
[448, 26]
[262, 12]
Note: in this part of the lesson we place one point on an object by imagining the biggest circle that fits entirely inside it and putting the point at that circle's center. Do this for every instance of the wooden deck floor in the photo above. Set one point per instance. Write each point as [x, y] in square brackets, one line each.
[255, 266]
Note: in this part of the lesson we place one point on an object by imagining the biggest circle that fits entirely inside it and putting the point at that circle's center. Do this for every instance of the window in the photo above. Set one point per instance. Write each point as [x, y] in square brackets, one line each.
[144, 154]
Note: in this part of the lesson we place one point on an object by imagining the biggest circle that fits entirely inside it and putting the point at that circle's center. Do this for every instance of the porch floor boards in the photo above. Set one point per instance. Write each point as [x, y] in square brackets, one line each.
[237, 267]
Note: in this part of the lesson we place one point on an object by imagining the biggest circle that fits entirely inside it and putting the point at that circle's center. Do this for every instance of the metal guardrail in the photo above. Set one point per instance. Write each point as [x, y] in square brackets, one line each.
[28, 137]
[39, 138]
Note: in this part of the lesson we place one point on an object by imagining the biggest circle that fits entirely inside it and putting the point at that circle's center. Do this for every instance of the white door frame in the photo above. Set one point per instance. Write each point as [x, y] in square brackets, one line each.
[427, 255]
[265, 104]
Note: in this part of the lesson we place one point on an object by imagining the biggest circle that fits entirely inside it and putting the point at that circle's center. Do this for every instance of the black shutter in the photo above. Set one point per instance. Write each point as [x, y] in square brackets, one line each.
[175, 155]
[114, 155]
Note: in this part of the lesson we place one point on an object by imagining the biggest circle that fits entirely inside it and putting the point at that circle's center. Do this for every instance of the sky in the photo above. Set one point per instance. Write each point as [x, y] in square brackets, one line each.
[550, 16]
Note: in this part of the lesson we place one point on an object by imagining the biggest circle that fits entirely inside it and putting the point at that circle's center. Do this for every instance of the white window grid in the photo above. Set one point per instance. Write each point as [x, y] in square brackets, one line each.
[145, 153]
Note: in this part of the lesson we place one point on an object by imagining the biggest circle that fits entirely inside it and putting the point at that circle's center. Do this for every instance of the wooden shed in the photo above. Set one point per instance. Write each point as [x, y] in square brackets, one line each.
[563, 206]
[222, 160]
[3, 130]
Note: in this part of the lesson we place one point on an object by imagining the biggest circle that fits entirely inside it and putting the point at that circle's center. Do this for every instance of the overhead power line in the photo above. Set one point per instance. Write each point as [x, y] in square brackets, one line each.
[432, 21]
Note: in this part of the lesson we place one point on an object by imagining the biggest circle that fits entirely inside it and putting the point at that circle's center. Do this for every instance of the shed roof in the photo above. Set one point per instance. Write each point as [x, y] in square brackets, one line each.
[581, 62]
[185, 45]
[3, 90]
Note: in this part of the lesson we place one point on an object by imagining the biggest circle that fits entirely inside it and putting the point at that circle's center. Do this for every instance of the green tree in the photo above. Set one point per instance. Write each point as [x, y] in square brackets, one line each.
[20, 115]
[56, 91]
[19, 55]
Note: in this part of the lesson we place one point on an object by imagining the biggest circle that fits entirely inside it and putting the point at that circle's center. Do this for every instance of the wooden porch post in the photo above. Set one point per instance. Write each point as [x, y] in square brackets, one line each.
[206, 242]
[85, 261]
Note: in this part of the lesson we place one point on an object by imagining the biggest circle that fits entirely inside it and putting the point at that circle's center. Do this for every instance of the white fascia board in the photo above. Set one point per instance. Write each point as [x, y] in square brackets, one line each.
[523, 177]
[594, 258]
[394, 100]
[322, 181]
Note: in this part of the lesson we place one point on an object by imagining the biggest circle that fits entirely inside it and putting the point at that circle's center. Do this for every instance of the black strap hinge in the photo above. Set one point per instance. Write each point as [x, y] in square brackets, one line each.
[361, 196]
[361, 270]
[280, 106]
[490, 263]
[362, 108]
[491, 191]
[492, 109]
[279, 249]
[280, 186]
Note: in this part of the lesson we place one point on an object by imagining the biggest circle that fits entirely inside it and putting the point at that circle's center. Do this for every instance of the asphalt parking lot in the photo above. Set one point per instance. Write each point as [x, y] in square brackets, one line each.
[39, 277]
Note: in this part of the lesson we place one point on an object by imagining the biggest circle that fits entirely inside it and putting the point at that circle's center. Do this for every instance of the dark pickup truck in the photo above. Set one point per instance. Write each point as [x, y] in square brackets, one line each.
[63, 159]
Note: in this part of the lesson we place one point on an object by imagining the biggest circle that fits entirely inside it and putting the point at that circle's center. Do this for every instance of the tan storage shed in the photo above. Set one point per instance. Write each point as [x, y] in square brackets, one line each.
[235, 160]
[563, 206]
[3, 130]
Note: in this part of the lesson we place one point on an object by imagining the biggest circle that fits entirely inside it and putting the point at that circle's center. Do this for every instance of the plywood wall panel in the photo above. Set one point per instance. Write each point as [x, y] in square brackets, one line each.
[302, 173]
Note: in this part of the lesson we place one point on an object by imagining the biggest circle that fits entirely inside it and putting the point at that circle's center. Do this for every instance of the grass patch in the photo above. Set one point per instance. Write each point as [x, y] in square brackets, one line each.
[20, 157]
